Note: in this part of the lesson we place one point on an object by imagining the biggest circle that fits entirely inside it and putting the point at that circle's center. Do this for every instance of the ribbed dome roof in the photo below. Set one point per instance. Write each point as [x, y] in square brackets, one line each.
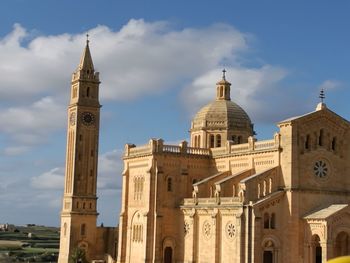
[222, 114]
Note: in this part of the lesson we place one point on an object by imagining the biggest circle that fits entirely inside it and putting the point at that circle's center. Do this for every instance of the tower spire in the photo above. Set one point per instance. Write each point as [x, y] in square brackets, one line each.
[86, 60]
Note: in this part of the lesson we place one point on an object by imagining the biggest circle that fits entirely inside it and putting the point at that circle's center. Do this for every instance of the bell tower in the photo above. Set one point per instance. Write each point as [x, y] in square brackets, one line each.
[79, 214]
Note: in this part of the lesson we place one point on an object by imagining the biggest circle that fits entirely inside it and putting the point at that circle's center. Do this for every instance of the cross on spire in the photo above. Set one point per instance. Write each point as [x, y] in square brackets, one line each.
[322, 96]
[87, 39]
[224, 74]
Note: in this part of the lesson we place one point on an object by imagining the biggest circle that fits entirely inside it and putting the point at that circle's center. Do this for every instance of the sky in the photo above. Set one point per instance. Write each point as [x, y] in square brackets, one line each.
[158, 63]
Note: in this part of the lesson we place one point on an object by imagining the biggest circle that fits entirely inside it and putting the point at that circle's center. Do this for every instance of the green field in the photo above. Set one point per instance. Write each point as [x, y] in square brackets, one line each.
[30, 244]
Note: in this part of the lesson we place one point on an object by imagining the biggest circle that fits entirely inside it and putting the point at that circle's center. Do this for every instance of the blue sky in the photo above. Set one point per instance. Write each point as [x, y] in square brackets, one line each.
[159, 61]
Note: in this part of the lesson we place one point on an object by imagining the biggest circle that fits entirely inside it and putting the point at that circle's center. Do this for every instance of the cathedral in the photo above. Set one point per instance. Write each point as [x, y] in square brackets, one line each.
[222, 197]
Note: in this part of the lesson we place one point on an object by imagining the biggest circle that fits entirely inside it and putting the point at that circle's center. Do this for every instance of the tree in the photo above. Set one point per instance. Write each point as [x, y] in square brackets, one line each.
[78, 256]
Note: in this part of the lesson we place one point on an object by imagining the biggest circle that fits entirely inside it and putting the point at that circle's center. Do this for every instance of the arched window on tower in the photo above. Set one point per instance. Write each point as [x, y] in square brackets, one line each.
[211, 141]
[83, 230]
[88, 92]
[65, 229]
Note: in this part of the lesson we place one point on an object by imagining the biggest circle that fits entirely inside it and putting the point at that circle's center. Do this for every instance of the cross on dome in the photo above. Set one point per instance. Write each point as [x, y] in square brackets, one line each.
[322, 95]
[224, 74]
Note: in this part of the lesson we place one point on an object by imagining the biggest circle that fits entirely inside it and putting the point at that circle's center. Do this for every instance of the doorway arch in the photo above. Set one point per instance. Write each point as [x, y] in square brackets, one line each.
[342, 244]
[316, 249]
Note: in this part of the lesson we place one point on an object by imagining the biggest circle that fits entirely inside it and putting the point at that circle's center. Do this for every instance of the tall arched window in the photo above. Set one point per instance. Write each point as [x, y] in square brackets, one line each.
[266, 221]
[218, 140]
[320, 138]
[199, 141]
[334, 143]
[212, 139]
[65, 229]
[83, 230]
[169, 184]
[307, 142]
[88, 92]
[273, 221]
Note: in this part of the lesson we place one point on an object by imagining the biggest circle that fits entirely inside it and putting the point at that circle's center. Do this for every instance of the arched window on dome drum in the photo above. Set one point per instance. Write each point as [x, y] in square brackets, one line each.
[218, 140]
[199, 141]
[212, 139]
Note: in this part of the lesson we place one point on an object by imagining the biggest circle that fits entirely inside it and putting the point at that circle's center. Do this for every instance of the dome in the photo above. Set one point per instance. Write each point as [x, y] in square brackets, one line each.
[220, 121]
[221, 114]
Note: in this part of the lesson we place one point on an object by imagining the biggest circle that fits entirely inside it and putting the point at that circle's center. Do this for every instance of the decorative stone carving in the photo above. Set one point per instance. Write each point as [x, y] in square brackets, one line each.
[207, 231]
[230, 230]
[186, 228]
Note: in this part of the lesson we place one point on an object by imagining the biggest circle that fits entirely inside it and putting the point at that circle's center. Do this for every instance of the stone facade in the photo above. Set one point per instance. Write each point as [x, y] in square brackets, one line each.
[226, 197]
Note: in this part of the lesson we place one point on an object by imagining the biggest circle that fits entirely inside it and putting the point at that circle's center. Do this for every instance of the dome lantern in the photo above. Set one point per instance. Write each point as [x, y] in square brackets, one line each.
[220, 121]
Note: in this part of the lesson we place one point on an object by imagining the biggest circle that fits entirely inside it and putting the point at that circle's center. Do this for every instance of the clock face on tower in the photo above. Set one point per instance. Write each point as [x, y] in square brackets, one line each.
[88, 118]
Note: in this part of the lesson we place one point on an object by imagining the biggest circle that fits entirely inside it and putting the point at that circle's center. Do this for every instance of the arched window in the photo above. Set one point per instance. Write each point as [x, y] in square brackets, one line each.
[317, 249]
[218, 140]
[65, 229]
[320, 138]
[212, 141]
[273, 221]
[168, 255]
[83, 230]
[221, 91]
[199, 141]
[342, 244]
[239, 139]
[334, 143]
[88, 92]
[266, 221]
[307, 142]
[169, 184]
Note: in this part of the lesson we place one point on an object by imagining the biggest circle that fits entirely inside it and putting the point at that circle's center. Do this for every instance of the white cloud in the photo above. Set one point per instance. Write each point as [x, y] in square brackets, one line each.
[31, 124]
[53, 179]
[110, 167]
[140, 58]
[329, 85]
[248, 85]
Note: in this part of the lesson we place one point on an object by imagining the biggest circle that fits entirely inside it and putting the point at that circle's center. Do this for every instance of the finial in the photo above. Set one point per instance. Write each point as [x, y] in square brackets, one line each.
[224, 74]
[322, 95]
[87, 39]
